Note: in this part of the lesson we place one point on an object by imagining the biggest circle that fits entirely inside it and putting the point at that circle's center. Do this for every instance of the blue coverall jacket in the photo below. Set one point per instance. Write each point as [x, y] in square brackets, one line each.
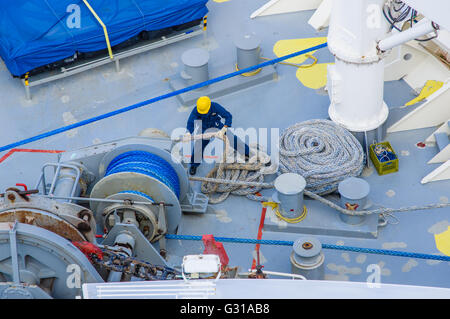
[210, 119]
[213, 119]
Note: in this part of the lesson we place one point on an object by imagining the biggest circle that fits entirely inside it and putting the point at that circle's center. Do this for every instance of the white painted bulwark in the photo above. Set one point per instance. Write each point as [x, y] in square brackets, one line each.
[439, 174]
[260, 289]
[444, 128]
[285, 6]
[321, 17]
[431, 68]
[441, 157]
[402, 61]
[433, 112]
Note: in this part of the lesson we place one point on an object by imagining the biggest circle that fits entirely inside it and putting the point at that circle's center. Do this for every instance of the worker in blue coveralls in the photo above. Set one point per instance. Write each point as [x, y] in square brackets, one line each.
[211, 115]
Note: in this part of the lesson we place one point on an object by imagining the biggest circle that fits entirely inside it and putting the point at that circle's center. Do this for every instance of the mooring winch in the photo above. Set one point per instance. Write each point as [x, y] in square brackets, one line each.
[131, 190]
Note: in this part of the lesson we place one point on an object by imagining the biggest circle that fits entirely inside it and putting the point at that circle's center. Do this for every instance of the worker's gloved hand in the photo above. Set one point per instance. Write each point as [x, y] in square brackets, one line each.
[187, 137]
[223, 132]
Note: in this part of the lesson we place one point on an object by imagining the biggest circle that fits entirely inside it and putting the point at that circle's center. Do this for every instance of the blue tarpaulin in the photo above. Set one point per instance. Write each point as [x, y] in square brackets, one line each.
[35, 33]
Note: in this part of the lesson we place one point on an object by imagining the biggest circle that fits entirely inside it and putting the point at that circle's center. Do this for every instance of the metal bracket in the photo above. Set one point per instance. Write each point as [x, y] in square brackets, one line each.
[14, 257]
[162, 230]
[58, 167]
[195, 203]
[143, 249]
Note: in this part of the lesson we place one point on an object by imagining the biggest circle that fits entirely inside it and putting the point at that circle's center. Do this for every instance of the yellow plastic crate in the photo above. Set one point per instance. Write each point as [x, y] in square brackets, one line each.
[386, 167]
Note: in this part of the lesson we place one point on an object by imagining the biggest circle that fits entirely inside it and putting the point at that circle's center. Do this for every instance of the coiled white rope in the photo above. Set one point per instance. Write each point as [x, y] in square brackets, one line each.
[322, 152]
[239, 177]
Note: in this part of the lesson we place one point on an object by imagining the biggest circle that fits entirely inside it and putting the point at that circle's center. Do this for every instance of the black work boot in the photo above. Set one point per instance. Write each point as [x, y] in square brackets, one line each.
[193, 170]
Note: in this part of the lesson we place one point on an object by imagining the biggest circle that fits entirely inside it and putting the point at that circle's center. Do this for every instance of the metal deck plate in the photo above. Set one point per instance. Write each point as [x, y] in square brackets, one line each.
[322, 220]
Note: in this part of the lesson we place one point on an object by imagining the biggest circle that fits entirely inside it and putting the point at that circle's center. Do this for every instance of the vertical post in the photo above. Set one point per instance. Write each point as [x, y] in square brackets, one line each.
[14, 258]
[354, 192]
[27, 86]
[248, 51]
[307, 258]
[117, 63]
[195, 63]
[289, 194]
[162, 229]
[205, 30]
[355, 28]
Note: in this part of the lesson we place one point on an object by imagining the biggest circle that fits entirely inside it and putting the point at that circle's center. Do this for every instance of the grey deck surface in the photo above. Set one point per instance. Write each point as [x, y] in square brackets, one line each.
[274, 104]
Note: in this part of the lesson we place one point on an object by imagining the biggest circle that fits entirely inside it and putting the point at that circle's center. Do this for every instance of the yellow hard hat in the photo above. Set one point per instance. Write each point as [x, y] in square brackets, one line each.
[203, 105]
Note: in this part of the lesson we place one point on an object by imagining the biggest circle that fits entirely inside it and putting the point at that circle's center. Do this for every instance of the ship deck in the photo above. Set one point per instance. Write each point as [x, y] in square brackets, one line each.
[274, 104]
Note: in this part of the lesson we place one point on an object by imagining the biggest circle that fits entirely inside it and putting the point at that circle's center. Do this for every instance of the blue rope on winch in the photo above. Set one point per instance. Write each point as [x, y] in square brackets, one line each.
[148, 164]
[137, 193]
[325, 246]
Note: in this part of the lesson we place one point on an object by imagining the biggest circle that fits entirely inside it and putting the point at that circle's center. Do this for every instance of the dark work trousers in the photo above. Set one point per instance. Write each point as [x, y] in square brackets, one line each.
[236, 143]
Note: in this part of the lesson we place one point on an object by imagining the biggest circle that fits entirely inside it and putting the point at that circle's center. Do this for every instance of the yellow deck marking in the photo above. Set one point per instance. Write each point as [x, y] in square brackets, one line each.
[430, 87]
[443, 242]
[314, 77]
[285, 47]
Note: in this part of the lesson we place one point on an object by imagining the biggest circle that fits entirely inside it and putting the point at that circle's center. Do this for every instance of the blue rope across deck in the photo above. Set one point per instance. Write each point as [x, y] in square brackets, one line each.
[159, 98]
[324, 246]
[147, 164]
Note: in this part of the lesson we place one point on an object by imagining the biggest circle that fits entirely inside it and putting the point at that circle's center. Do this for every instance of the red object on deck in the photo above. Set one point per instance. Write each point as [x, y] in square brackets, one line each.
[421, 145]
[261, 225]
[23, 185]
[88, 249]
[215, 248]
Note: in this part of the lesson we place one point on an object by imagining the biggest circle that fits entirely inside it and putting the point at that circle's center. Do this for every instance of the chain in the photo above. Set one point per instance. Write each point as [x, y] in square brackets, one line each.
[115, 260]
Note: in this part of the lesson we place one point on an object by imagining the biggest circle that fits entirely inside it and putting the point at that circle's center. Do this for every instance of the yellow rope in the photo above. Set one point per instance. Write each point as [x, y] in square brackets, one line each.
[299, 65]
[285, 63]
[105, 31]
[275, 206]
[249, 73]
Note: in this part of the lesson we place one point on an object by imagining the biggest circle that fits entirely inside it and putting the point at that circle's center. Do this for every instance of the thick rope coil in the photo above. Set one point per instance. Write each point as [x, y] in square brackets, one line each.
[148, 164]
[322, 152]
[251, 173]
[237, 177]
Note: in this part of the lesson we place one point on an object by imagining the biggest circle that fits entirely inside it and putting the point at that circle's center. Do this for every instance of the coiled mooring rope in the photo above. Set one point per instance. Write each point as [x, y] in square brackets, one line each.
[322, 152]
[242, 179]
[148, 164]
